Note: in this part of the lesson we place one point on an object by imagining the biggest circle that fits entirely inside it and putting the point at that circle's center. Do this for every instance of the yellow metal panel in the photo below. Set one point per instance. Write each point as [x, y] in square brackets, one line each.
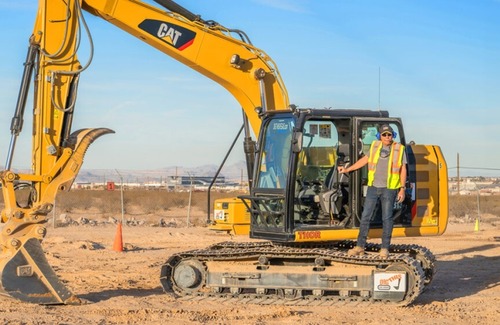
[431, 187]
[231, 214]
[352, 234]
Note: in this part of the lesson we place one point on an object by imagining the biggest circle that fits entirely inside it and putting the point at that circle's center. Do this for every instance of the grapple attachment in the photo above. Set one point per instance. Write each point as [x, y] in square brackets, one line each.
[27, 276]
[25, 273]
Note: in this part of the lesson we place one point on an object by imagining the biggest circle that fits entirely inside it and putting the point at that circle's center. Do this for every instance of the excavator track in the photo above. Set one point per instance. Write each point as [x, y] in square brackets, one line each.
[270, 273]
[420, 253]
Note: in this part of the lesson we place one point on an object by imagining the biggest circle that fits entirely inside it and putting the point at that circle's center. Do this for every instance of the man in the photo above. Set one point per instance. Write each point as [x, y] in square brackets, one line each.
[386, 183]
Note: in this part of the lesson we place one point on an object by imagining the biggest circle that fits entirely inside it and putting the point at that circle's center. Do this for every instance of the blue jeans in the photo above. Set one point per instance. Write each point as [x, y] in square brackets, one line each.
[386, 198]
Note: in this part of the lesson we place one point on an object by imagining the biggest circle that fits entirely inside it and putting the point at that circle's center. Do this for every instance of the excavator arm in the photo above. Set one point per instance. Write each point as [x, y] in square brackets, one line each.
[58, 152]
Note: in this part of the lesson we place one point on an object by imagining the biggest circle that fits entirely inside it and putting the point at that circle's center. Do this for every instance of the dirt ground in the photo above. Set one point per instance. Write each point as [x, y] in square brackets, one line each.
[124, 288]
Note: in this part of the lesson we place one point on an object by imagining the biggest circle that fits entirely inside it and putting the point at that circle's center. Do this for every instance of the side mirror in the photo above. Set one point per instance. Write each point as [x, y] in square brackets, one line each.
[297, 142]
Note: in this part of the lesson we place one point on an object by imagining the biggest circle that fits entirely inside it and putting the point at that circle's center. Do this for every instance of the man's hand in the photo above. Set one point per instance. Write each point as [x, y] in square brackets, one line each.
[342, 170]
[401, 195]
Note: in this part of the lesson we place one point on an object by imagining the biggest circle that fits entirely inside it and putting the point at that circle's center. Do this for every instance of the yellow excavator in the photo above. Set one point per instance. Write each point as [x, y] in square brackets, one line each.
[305, 212]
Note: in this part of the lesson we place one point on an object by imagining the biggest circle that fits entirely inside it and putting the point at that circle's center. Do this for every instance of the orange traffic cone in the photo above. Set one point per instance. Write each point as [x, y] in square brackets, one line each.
[118, 244]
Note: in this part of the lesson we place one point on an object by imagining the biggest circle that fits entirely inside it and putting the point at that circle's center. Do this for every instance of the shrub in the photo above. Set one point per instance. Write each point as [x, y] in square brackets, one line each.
[462, 205]
[146, 201]
[156, 201]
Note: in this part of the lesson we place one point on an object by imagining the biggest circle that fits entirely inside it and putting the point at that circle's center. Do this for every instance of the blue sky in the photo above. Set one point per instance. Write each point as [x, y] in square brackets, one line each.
[438, 60]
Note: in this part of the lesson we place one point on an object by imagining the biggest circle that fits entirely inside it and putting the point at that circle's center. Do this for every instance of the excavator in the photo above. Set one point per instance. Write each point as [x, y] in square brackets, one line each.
[303, 214]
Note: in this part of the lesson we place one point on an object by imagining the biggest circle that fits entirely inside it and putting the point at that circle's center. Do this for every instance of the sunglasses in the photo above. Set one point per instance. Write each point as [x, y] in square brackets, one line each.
[387, 134]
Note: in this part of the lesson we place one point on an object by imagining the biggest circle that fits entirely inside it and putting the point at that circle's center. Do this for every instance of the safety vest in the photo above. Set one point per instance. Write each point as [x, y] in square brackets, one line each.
[395, 163]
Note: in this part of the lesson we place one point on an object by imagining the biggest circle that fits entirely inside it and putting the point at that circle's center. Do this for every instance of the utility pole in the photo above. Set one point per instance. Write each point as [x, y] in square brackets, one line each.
[379, 88]
[458, 173]
[189, 203]
[121, 194]
[478, 218]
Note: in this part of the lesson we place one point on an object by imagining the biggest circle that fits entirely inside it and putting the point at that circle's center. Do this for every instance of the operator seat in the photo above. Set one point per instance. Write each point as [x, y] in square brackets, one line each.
[336, 185]
[333, 177]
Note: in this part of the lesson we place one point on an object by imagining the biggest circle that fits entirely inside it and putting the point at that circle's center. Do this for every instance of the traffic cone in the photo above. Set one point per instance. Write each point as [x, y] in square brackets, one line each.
[118, 244]
[476, 226]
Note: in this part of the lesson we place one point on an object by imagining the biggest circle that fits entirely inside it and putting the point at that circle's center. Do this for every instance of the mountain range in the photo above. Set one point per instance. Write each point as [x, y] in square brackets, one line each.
[235, 172]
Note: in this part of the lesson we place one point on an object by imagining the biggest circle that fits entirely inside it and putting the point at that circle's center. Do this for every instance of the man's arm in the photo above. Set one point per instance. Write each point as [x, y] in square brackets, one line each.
[357, 165]
[402, 177]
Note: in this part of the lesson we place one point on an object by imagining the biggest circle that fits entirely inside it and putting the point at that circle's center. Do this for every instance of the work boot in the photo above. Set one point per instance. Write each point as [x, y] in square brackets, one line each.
[356, 251]
[384, 253]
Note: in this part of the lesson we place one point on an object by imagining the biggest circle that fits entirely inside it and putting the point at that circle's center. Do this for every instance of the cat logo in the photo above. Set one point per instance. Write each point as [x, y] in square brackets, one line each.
[172, 34]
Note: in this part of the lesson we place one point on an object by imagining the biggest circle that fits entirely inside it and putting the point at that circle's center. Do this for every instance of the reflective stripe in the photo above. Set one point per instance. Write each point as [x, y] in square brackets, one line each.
[395, 163]
[374, 151]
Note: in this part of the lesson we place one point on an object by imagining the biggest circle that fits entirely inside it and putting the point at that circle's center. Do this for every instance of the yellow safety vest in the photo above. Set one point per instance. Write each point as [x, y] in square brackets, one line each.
[395, 163]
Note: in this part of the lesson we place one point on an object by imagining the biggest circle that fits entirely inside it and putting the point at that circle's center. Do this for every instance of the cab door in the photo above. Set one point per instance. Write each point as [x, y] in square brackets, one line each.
[365, 131]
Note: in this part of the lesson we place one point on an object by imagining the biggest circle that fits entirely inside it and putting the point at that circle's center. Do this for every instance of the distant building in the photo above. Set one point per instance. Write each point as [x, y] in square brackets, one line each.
[474, 186]
[169, 183]
[201, 180]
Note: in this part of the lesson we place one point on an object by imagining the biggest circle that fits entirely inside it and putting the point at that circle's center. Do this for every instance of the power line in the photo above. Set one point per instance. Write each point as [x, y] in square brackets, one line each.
[480, 168]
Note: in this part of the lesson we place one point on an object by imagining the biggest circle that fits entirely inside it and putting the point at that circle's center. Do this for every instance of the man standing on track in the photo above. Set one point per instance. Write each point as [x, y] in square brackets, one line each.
[386, 183]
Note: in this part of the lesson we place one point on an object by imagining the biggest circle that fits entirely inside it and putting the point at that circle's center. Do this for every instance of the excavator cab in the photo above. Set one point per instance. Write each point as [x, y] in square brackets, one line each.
[298, 194]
